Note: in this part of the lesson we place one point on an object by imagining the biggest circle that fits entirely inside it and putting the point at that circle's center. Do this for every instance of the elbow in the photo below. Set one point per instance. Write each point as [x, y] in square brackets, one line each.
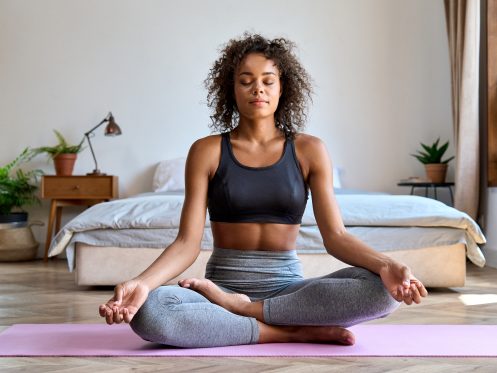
[190, 246]
[333, 239]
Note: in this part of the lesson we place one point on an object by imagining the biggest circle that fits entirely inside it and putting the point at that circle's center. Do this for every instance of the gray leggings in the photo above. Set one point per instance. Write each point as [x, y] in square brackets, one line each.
[181, 317]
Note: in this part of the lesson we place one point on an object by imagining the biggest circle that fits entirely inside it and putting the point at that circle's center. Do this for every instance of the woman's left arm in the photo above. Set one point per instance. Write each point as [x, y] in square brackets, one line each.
[396, 276]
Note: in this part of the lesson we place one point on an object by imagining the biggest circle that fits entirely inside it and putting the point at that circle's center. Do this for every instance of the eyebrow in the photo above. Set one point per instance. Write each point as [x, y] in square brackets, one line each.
[249, 73]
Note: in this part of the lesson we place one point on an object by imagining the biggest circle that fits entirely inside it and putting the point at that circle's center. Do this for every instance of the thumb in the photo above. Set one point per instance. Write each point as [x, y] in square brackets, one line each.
[118, 294]
[406, 276]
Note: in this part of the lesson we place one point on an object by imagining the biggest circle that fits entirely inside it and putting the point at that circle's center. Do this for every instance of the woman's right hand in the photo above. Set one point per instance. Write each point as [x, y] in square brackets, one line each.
[128, 297]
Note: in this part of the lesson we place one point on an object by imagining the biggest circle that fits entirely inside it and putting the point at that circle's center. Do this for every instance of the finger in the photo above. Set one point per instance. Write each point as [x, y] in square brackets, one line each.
[421, 288]
[406, 276]
[102, 310]
[118, 294]
[181, 282]
[408, 299]
[108, 317]
[127, 315]
[187, 282]
[117, 316]
[397, 294]
[416, 297]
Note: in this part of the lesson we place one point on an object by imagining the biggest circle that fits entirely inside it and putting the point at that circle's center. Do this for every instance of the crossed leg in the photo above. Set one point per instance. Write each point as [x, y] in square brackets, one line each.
[240, 304]
[185, 318]
[312, 310]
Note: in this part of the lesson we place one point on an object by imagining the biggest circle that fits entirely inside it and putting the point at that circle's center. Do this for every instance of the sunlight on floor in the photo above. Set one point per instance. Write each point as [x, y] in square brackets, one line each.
[477, 299]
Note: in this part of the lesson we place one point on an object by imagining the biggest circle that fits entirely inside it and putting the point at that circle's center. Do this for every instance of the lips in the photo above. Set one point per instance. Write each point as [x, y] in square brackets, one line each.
[258, 102]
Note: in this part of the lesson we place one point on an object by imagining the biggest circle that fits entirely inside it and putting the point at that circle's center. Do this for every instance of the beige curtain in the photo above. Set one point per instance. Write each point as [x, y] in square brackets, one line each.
[463, 29]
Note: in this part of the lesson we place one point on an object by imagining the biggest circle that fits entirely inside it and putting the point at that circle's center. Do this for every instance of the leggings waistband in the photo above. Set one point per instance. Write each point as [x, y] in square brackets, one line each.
[256, 273]
[253, 254]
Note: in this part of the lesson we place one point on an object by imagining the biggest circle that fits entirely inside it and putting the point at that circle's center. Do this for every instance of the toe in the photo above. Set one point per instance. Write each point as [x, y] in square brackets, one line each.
[347, 338]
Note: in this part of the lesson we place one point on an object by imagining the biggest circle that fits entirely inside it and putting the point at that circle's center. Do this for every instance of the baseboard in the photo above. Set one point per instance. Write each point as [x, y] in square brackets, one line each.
[491, 257]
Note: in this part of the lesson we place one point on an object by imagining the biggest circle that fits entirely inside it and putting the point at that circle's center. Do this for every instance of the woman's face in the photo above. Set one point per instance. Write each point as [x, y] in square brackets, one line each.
[257, 87]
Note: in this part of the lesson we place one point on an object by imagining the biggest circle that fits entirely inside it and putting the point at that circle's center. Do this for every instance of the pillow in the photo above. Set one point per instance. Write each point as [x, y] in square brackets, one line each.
[170, 176]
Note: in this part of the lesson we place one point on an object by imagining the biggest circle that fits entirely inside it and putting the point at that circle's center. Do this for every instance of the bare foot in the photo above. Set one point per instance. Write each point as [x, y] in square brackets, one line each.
[306, 334]
[237, 303]
[232, 302]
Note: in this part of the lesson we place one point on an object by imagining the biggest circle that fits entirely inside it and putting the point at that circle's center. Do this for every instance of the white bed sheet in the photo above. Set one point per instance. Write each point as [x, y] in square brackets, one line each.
[383, 221]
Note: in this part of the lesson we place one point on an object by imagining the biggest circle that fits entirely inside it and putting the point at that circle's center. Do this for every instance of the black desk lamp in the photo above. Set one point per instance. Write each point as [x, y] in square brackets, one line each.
[112, 129]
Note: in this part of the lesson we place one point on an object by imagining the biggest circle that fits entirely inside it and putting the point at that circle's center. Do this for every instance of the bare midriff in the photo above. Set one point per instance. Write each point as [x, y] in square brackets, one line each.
[255, 236]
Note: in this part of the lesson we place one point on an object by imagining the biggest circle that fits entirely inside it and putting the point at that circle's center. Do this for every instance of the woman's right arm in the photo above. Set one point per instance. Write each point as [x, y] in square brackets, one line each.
[178, 256]
[181, 254]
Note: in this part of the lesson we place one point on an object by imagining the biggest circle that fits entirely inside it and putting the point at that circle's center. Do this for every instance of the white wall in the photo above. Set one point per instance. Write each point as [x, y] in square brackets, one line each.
[380, 68]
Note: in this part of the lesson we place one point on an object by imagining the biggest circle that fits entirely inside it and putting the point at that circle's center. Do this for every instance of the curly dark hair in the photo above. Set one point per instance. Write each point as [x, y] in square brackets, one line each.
[291, 114]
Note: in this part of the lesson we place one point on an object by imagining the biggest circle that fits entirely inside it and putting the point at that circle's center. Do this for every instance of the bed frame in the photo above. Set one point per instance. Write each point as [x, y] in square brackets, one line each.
[441, 266]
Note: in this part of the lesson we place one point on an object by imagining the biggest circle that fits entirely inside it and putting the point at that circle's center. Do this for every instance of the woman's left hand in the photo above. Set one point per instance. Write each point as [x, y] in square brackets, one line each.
[401, 284]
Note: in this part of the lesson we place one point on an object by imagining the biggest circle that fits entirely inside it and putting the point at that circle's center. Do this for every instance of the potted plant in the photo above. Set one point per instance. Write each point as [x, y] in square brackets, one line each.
[63, 154]
[17, 189]
[431, 157]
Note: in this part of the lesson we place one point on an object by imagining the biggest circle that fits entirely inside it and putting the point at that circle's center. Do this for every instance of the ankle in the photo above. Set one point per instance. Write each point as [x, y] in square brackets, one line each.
[275, 334]
[252, 309]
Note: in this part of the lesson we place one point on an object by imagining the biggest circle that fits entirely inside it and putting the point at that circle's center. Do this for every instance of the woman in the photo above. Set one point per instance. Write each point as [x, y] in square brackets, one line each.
[254, 180]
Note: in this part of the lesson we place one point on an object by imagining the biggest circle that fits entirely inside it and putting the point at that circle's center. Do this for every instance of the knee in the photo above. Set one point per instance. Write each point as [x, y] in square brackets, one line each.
[149, 321]
[383, 301]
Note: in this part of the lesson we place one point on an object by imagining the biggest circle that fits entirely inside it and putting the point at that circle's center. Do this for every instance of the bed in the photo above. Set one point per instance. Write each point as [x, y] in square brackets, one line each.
[116, 240]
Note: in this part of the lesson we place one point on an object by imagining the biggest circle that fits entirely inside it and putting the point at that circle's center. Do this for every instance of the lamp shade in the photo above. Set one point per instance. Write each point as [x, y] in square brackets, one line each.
[112, 129]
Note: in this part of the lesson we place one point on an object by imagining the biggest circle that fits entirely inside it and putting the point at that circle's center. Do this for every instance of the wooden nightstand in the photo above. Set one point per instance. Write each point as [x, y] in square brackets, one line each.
[74, 191]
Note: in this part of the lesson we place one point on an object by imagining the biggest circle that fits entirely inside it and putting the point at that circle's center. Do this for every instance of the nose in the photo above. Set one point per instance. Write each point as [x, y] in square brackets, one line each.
[258, 89]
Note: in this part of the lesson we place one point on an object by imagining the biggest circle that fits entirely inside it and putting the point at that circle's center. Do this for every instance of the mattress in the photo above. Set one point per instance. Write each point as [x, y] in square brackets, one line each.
[309, 239]
[439, 266]
[385, 222]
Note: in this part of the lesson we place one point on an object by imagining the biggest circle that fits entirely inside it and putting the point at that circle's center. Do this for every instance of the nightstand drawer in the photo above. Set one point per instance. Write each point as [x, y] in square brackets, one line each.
[74, 187]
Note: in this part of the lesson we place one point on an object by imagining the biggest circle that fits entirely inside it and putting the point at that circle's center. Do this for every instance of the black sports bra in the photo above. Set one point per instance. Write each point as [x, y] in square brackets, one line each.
[272, 194]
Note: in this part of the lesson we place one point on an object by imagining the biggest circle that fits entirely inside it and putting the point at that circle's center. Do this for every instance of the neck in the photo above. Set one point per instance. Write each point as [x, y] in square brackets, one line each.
[258, 131]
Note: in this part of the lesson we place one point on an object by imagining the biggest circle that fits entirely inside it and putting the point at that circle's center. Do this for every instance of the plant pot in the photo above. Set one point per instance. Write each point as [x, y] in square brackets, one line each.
[16, 238]
[17, 244]
[14, 220]
[436, 172]
[64, 164]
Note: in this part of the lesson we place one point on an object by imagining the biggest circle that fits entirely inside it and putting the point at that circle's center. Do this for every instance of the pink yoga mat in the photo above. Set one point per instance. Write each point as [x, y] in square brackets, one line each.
[371, 340]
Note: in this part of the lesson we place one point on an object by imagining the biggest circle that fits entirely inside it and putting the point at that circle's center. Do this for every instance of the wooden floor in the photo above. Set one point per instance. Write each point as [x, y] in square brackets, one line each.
[35, 292]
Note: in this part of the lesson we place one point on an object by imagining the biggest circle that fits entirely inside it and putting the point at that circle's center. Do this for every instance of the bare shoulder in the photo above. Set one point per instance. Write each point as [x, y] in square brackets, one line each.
[206, 143]
[311, 154]
[309, 147]
[205, 153]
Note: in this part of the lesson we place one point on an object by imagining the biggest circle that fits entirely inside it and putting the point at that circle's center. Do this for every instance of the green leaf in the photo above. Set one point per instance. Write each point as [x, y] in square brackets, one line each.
[426, 147]
[435, 145]
[62, 147]
[17, 186]
[432, 153]
[60, 138]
